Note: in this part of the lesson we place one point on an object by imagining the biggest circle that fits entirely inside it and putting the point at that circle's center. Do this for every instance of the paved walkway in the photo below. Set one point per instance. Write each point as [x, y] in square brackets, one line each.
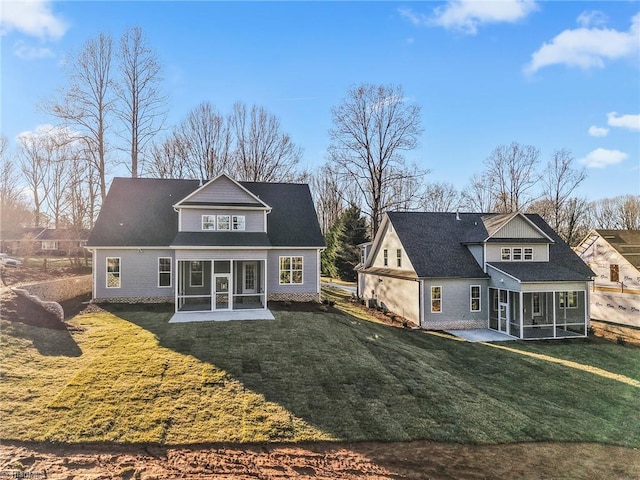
[481, 335]
[185, 317]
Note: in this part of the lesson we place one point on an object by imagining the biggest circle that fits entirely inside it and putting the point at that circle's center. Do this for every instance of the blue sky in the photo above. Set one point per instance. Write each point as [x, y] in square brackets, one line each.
[550, 74]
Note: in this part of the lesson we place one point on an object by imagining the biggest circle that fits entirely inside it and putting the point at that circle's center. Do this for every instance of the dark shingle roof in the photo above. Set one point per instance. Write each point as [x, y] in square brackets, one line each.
[540, 271]
[139, 212]
[626, 243]
[435, 244]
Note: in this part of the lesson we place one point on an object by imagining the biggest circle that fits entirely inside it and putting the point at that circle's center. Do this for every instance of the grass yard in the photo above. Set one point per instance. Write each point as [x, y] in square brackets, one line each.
[128, 376]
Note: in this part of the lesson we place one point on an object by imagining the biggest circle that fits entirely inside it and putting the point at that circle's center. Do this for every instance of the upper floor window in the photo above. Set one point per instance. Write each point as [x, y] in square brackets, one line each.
[399, 258]
[113, 272]
[385, 257]
[474, 295]
[238, 222]
[516, 254]
[208, 222]
[224, 222]
[614, 273]
[290, 270]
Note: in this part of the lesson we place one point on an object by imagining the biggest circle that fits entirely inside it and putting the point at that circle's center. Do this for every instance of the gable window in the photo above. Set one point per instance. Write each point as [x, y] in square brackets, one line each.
[164, 271]
[208, 222]
[505, 254]
[224, 222]
[385, 256]
[516, 254]
[399, 257]
[113, 272]
[49, 245]
[474, 295]
[436, 299]
[238, 222]
[196, 276]
[290, 270]
[528, 253]
[614, 273]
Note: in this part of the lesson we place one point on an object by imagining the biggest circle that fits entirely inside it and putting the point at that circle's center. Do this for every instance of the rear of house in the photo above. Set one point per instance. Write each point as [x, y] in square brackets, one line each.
[509, 273]
[221, 246]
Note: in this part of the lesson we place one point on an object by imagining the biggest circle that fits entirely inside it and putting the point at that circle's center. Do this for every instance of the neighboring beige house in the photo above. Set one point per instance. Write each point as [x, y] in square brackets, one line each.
[614, 256]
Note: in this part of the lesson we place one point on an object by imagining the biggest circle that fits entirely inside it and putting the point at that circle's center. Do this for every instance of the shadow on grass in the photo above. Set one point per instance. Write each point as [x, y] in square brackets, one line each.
[49, 342]
[357, 380]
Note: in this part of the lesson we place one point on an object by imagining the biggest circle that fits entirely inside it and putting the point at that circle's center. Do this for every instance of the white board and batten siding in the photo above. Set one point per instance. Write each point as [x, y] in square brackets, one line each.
[138, 273]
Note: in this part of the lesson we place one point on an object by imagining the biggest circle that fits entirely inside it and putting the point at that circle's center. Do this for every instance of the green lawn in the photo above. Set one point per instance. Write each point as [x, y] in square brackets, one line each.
[129, 376]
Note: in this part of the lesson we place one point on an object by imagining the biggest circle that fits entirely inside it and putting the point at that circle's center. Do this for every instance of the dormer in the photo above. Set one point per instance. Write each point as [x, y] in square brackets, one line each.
[222, 205]
[514, 238]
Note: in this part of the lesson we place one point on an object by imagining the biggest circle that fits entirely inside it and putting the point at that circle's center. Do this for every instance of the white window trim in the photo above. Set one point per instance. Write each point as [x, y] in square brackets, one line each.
[191, 284]
[233, 223]
[385, 257]
[106, 271]
[50, 245]
[506, 250]
[524, 254]
[290, 257]
[228, 217]
[399, 257]
[211, 219]
[170, 272]
[524, 251]
[536, 312]
[563, 300]
[432, 310]
[471, 298]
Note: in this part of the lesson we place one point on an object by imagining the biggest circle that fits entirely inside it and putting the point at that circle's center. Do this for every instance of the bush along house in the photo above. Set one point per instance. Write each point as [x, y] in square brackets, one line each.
[221, 247]
[507, 272]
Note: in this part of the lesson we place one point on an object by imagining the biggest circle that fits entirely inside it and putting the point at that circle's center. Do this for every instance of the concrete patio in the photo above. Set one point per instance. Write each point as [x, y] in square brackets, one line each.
[481, 335]
[226, 316]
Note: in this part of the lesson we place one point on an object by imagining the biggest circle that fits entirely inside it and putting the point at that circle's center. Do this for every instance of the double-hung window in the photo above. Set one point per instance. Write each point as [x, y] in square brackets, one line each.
[164, 271]
[505, 254]
[208, 222]
[113, 272]
[474, 296]
[516, 254]
[436, 299]
[49, 245]
[528, 253]
[399, 257]
[568, 299]
[290, 270]
[385, 257]
[224, 222]
[238, 222]
[196, 275]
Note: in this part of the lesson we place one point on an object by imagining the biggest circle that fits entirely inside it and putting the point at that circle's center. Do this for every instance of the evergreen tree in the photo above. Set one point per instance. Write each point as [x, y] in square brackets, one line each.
[342, 253]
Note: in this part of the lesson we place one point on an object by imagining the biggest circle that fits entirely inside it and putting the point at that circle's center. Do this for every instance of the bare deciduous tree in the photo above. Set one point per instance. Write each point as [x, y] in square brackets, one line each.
[513, 171]
[619, 213]
[87, 101]
[327, 193]
[371, 128]
[478, 196]
[142, 105]
[263, 153]
[34, 165]
[440, 197]
[14, 211]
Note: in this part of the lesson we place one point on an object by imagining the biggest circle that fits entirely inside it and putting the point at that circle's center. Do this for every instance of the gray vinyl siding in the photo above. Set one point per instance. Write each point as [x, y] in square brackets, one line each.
[310, 271]
[456, 304]
[138, 273]
[191, 219]
[228, 254]
[518, 228]
[478, 252]
[222, 190]
[503, 281]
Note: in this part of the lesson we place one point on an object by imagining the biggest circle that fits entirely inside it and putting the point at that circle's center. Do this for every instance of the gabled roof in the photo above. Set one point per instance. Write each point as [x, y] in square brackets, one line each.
[494, 223]
[541, 272]
[46, 234]
[625, 242]
[139, 212]
[436, 246]
[250, 201]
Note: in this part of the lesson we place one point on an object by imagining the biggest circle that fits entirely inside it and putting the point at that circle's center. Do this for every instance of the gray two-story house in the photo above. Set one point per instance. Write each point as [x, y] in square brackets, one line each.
[507, 272]
[218, 247]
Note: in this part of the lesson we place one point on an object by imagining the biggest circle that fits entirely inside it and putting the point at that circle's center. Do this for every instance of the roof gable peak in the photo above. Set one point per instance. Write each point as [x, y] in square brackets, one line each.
[241, 193]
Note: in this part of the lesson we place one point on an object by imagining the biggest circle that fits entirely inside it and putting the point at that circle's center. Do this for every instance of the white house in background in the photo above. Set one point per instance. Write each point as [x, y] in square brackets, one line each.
[614, 256]
[217, 247]
[507, 272]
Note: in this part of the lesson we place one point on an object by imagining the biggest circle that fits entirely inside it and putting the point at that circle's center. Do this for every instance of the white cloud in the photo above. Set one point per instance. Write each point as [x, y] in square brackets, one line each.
[467, 15]
[33, 17]
[588, 47]
[598, 131]
[27, 52]
[632, 122]
[601, 158]
[591, 18]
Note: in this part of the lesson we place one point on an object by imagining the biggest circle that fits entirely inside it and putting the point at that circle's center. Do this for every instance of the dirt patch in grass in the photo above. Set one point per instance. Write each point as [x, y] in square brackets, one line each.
[371, 460]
